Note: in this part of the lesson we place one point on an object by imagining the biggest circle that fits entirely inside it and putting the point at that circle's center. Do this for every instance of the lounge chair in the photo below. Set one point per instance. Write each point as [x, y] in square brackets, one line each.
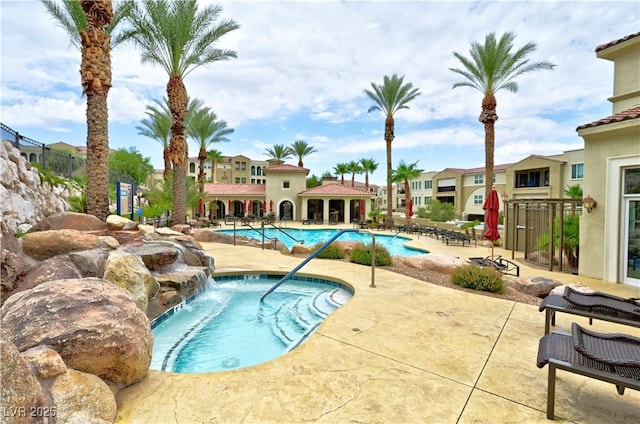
[596, 305]
[499, 263]
[614, 358]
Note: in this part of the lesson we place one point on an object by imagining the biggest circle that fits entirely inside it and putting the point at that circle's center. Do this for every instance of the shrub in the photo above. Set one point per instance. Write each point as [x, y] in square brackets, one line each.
[333, 251]
[361, 254]
[478, 278]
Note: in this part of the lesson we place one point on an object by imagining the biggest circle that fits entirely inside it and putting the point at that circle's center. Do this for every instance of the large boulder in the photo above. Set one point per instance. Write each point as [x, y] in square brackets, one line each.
[56, 268]
[83, 398]
[72, 221]
[119, 223]
[433, 261]
[93, 325]
[128, 272]
[46, 244]
[10, 261]
[90, 262]
[21, 392]
[535, 286]
[155, 255]
[45, 362]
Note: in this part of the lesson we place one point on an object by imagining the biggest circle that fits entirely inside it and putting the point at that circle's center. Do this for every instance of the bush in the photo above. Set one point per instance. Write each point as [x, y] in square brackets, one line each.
[478, 278]
[361, 254]
[333, 251]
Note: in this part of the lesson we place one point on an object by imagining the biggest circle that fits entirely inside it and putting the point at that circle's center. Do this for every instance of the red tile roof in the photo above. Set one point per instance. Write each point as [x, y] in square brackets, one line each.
[614, 42]
[334, 190]
[633, 113]
[222, 189]
[285, 167]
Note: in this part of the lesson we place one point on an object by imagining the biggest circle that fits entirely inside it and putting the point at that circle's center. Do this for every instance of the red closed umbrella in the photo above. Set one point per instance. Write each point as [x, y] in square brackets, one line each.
[410, 209]
[361, 208]
[270, 205]
[491, 206]
[264, 205]
[229, 212]
[244, 207]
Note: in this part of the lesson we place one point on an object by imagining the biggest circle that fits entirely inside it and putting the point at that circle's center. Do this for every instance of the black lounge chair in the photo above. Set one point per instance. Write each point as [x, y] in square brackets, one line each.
[498, 263]
[596, 305]
[613, 358]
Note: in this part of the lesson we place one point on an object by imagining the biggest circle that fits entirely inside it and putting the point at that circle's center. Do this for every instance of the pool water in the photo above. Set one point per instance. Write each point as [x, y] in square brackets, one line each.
[393, 243]
[226, 327]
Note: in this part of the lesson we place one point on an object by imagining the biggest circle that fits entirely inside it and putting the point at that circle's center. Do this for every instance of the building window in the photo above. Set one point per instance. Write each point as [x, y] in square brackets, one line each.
[253, 180]
[478, 179]
[428, 184]
[192, 168]
[237, 180]
[477, 199]
[244, 166]
[253, 170]
[243, 180]
[577, 171]
[237, 166]
[285, 184]
[427, 199]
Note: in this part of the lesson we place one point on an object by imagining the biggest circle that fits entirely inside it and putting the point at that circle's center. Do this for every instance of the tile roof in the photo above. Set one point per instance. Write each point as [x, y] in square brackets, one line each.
[223, 189]
[335, 190]
[464, 171]
[286, 168]
[614, 42]
[632, 113]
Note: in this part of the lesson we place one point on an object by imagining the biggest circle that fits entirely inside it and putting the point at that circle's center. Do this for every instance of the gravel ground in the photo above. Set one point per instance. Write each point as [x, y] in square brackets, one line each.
[445, 280]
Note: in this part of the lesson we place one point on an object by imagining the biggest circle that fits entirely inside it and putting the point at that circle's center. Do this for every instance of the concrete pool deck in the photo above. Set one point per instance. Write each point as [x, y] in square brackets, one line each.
[404, 352]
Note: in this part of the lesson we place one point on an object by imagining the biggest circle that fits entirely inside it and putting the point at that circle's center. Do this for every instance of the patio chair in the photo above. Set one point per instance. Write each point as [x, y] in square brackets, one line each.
[596, 305]
[498, 263]
[613, 358]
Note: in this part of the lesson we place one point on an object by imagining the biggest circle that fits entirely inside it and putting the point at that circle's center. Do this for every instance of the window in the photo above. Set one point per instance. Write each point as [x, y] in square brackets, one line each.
[428, 184]
[478, 179]
[237, 166]
[285, 184]
[477, 199]
[192, 167]
[243, 180]
[253, 180]
[577, 171]
[244, 166]
[237, 180]
[253, 170]
[427, 199]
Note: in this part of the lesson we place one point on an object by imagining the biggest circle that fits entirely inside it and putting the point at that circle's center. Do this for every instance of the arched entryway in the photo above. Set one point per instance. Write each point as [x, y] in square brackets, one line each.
[286, 211]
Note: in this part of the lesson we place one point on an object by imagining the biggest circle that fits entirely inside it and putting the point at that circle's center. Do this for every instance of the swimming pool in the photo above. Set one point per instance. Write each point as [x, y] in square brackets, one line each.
[226, 327]
[393, 243]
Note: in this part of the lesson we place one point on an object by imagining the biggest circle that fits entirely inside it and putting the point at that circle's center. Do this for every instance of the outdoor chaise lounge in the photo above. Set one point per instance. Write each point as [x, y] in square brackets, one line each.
[596, 305]
[614, 358]
[499, 263]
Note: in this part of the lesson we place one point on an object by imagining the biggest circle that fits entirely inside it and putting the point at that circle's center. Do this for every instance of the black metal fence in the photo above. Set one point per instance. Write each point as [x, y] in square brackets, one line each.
[547, 230]
[60, 163]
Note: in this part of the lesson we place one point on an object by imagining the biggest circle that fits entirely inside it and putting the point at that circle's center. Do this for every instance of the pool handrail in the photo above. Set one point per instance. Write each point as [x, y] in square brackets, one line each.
[282, 231]
[324, 246]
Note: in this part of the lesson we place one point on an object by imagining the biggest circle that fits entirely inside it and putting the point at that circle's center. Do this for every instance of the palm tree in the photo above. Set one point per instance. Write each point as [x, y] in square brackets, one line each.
[403, 174]
[575, 193]
[341, 169]
[206, 129]
[215, 156]
[389, 97]
[301, 149]
[279, 152]
[355, 168]
[178, 37]
[368, 166]
[157, 126]
[89, 25]
[493, 66]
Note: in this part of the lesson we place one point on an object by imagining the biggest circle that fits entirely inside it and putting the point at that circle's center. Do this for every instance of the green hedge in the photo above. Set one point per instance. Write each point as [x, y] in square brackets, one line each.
[333, 251]
[478, 278]
[361, 254]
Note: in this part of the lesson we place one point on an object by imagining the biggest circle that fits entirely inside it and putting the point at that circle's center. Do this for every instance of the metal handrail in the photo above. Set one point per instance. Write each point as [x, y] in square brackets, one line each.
[283, 232]
[324, 246]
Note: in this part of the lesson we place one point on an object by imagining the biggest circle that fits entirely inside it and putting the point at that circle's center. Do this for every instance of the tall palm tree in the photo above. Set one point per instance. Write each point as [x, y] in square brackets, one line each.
[302, 149]
[403, 174]
[157, 126]
[279, 152]
[354, 168]
[575, 193]
[178, 37]
[341, 169]
[89, 25]
[368, 166]
[206, 129]
[389, 97]
[215, 156]
[494, 66]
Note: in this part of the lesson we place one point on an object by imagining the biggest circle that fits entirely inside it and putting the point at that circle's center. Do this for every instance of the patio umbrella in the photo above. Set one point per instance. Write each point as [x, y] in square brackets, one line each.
[491, 206]
[361, 208]
[244, 206]
[264, 206]
[270, 205]
[229, 211]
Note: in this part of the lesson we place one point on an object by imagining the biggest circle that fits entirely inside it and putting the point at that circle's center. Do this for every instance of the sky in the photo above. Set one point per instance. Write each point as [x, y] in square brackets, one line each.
[302, 69]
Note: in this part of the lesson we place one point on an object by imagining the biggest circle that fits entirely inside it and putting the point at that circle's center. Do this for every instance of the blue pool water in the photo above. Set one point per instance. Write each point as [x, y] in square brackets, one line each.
[226, 327]
[393, 243]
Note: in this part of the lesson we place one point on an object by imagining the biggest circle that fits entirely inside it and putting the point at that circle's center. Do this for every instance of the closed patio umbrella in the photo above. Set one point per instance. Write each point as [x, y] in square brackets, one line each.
[362, 209]
[244, 206]
[229, 211]
[491, 206]
[270, 205]
[264, 206]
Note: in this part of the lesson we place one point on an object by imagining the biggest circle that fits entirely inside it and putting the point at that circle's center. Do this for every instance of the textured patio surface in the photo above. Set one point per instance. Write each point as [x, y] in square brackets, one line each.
[404, 352]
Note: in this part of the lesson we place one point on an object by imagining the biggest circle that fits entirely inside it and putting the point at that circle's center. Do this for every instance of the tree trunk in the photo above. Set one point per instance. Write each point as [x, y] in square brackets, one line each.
[388, 138]
[95, 73]
[202, 157]
[167, 163]
[177, 95]
[488, 117]
[407, 197]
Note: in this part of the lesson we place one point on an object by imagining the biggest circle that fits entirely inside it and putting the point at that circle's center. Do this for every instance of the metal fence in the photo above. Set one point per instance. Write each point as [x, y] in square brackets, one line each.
[58, 162]
[547, 230]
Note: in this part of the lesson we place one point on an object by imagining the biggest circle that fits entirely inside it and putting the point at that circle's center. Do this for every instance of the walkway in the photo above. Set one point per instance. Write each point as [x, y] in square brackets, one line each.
[404, 352]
